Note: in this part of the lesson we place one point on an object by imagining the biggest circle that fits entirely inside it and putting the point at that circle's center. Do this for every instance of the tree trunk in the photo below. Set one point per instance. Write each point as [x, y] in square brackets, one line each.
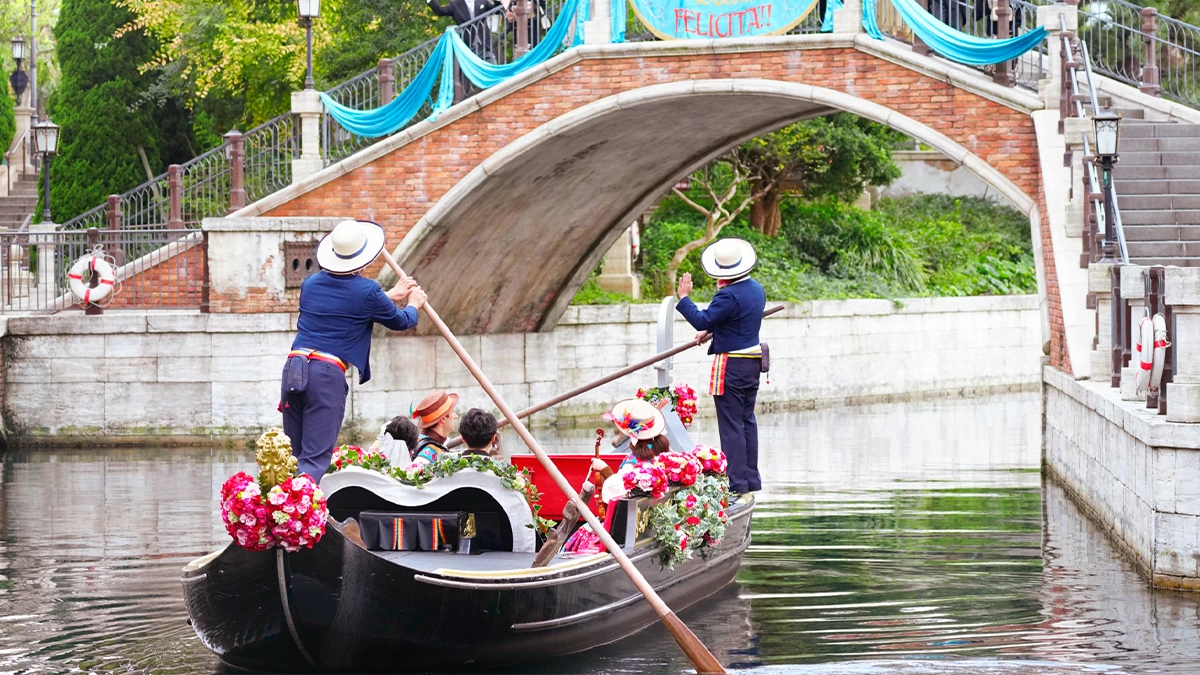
[764, 213]
[710, 233]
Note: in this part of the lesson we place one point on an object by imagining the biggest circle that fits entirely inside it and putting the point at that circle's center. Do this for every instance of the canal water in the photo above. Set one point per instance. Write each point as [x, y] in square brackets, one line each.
[911, 537]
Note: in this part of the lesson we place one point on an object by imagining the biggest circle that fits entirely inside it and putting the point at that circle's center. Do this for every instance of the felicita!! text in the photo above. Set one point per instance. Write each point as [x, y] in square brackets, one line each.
[728, 24]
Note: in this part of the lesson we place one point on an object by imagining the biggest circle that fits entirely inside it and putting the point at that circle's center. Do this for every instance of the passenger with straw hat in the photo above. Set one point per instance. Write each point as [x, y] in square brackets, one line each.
[338, 308]
[734, 318]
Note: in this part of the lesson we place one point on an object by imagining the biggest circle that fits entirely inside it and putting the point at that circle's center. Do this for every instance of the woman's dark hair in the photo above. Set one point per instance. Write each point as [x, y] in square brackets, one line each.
[477, 428]
[402, 428]
[651, 447]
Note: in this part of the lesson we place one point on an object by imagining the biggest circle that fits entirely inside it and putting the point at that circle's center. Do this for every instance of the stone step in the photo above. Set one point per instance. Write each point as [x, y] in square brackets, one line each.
[1158, 144]
[1156, 187]
[1161, 130]
[1155, 158]
[1161, 202]
[1163, 249]
[1178, 262]
[1160, 233]
[1149, 217]
[1129, 113]
[1124, 172]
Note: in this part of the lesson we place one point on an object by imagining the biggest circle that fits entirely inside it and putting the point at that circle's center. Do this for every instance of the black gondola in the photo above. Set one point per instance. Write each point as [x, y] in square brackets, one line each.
[341, 606]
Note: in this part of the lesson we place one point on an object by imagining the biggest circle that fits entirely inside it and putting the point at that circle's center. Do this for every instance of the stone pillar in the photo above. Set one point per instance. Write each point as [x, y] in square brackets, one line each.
[1133, 291]
[848, 19]
[1100, 283]
[1182, 294]
[24, 119]
[1050, 87]
[598, 30]
[617, 273]
[41, 235]
[307, 105]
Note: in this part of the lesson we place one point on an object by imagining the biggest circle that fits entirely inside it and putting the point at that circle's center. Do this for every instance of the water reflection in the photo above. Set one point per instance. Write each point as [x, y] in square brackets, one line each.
[895, 538]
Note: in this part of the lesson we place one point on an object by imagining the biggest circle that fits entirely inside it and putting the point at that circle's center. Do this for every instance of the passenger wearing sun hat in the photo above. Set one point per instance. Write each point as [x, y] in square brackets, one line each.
[435, 418]
[734, 317]
[643, 424]
[338, 307]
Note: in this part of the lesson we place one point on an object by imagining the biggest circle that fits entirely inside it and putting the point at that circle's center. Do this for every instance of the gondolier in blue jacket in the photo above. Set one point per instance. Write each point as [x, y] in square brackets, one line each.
[338, 307]
[734, 318]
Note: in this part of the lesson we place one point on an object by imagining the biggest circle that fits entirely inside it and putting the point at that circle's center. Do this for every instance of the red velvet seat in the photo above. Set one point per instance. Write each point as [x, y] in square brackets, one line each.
[576, 469]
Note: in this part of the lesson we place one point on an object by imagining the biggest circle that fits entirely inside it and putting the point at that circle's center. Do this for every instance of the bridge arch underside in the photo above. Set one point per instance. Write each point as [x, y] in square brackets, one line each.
[508, 246]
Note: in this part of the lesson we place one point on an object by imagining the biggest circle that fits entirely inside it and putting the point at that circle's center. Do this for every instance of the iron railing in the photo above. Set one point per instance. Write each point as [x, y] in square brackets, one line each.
[34, 268]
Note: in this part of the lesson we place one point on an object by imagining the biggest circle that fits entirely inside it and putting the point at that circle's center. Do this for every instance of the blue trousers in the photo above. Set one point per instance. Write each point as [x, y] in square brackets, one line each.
[737, 424]
[312, 418]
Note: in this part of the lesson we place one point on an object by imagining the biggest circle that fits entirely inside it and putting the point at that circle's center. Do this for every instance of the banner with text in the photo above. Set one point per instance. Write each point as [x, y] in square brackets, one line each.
[703, 19]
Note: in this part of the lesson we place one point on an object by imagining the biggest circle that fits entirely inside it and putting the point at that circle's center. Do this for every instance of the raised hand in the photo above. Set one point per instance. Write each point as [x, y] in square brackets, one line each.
[685, 285]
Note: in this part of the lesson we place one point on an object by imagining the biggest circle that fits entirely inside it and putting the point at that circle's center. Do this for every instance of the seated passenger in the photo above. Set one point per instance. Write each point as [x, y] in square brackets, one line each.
[478, 430]
[644, 425]
[396, 440]
[435, 418]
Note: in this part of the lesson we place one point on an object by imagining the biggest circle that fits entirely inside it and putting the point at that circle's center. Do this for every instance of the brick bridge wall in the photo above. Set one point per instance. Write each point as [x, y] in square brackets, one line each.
[397, 189]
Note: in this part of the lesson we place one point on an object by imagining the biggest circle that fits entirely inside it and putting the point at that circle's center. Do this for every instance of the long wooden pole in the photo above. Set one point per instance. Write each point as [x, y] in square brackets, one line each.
[700, 339]
[702, 659]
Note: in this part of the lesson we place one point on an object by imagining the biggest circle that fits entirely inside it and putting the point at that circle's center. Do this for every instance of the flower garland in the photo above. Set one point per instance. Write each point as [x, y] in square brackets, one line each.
[693, 520]
[645, 479]
[352, 455]
[680, 467]
[682, 397]
[277, 509]
[711, 459]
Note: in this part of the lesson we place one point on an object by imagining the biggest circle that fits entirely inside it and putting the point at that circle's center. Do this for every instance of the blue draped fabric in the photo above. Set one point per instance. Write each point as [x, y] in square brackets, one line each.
[827, 20]
[620, 18]
[483, 74]
[868, 20]
[385, 119]
[953, 44]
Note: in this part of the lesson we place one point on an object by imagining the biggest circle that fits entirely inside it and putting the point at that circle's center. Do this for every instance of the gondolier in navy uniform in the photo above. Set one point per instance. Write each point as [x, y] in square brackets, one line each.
[338, 308]
[734, 318]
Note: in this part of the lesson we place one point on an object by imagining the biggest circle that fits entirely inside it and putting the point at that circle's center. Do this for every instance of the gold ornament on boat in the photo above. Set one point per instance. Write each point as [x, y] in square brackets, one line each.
[274, 456]
[643, 519]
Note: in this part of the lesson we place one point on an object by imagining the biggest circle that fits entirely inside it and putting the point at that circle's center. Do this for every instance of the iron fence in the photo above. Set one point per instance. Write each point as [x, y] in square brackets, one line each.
[1176, 46]
[1112, 31]
[155, 267]
[269, 151]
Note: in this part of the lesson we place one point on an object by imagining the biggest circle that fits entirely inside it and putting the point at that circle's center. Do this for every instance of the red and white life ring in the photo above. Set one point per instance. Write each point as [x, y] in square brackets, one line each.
[99, 267]
[1145, 354]
[1160, 350]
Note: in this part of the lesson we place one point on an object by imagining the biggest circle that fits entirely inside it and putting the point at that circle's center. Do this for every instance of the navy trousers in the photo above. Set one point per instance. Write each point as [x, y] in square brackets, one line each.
[312, 419]
[737, 424]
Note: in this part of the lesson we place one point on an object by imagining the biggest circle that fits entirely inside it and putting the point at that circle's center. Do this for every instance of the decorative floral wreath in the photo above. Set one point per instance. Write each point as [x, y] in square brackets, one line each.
[682, 397]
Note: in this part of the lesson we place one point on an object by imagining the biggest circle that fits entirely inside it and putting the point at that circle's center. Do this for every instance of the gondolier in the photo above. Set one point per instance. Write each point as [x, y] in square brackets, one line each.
[734, 318]
[338, 308]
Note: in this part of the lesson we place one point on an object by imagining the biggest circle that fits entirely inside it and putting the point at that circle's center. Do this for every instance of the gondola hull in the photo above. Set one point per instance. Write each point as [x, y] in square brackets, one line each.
[340, 607]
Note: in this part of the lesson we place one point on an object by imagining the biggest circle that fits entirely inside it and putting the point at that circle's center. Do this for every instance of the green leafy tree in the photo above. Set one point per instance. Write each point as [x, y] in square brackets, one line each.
[8, 123]
[110, 138]
[363, 31]
[838, 156]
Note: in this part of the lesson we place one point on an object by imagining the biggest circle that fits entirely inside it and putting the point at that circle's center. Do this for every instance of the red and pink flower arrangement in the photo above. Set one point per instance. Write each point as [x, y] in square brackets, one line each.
[645, 479]
[711, 459]
[290, 514]
[681, 468]
[353, 455]
[682, 397]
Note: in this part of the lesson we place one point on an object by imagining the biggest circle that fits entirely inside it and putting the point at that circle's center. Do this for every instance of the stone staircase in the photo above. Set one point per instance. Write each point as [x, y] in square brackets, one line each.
[20, 202]
[1157, 180]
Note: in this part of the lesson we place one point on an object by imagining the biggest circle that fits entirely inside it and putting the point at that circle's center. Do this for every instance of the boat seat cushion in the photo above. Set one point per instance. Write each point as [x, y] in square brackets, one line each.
[411, 531]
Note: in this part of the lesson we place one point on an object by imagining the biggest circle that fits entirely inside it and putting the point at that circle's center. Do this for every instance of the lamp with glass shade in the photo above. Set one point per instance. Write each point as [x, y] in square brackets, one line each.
[1106, 125]
[45, 141]
[308, 10]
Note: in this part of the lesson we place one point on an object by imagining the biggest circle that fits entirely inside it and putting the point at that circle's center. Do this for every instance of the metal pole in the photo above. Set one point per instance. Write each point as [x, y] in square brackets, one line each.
[46, 218]
[1109, 215]
[33, 85]
[308, 79]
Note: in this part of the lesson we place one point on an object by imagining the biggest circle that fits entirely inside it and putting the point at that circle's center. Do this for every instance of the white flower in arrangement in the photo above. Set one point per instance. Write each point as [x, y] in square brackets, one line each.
[299, 483]
[250, 491]
[277, 496]
[280, 517]
[519, 482]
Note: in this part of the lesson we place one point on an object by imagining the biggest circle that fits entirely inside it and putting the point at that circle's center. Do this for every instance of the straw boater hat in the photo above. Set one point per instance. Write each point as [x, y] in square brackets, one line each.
[728, 259]
[433, 408]
[637, 419]
[351, 246]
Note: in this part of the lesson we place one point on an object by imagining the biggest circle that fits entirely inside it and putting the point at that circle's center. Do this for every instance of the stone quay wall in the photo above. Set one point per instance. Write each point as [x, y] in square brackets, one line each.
[1131, 470]
[182, 376]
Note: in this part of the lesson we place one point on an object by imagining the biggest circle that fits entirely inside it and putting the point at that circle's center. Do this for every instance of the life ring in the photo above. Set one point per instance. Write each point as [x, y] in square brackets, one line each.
[1145, 354]
[1160, 350]
[99, 267]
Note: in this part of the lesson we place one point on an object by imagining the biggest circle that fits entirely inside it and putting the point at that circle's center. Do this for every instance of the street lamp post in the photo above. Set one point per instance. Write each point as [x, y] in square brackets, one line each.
[19, 80]
[308, 10]
[45, 138]
[1107, 127]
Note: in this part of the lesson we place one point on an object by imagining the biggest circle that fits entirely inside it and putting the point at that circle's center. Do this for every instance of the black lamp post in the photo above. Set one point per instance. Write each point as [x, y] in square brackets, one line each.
[19, 80]
[1107, 127]
[45, 139]
[308, 9]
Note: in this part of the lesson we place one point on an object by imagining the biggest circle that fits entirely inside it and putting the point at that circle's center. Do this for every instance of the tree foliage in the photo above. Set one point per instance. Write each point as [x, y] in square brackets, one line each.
[14, 21]
[108, 121]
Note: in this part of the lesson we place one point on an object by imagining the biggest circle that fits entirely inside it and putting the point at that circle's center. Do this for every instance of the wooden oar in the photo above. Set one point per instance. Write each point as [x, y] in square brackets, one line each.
[702, 659]
[584, 388]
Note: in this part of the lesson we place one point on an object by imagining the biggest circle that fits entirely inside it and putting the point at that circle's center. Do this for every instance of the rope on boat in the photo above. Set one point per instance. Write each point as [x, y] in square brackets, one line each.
[287, 608]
